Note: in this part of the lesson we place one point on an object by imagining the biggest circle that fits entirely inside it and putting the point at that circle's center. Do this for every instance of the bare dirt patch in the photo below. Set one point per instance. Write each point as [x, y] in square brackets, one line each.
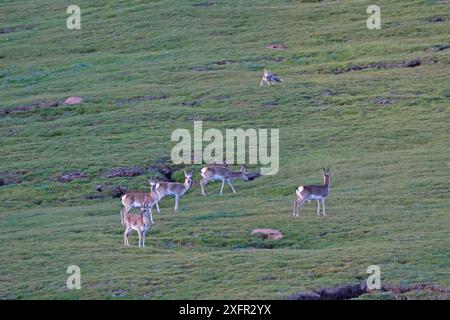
[222, 62]
[139, 99]
[11, 177]
[202, 68]
[30, 107]
[380, 65]
[191, 103]
[270, 234]
[69, 176]
[107, 190]
[440, 47]
[436, 19]
[205, 4]
[277, 46]
[354, 290]
[381, 101]
[123, 172]
[13, 29]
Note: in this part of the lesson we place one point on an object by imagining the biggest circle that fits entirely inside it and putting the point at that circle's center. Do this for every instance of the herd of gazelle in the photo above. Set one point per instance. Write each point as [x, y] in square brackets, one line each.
[158, 190]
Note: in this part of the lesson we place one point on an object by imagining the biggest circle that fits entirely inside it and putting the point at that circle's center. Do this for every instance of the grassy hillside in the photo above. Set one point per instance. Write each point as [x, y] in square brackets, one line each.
[384, 132]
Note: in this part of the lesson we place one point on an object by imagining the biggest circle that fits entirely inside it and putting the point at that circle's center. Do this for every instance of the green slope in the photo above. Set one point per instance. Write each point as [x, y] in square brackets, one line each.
[384, 132]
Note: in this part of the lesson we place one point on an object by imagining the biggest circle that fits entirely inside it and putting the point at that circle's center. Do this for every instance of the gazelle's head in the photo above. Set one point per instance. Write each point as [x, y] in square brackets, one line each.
[153, 182]
[146, 219]
[188, 177]
[326, 175]
[244, 172]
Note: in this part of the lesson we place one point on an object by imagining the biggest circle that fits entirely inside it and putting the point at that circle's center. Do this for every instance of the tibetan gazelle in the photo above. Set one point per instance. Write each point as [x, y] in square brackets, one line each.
[139, 222]
[313, 192]
[219, 172]
[175, 189]
[144, 200]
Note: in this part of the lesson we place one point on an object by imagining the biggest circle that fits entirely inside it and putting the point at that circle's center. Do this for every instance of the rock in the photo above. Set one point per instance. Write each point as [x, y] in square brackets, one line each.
[73, 100]
[271, 234]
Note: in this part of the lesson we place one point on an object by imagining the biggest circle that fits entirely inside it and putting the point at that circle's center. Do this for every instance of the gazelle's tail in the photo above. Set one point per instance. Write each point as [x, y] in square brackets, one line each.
[277, 79]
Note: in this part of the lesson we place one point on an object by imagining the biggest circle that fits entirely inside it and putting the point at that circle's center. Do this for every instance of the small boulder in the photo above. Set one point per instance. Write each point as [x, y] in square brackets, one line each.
[73, 100]
[271, 234]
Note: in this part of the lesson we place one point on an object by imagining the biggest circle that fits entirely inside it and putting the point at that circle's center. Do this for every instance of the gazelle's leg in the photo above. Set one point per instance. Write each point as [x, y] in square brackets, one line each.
[318, 207]
[295, 207]
[203, 182]
[125, 236]
[296, 202]
[221, 189]
[323, 207]
[177, 199]
[151, 215]
[123, 213]
[231, 186]
[122, 216]
[140, 237]
[144, 233]
[157, 206]
[299, 204]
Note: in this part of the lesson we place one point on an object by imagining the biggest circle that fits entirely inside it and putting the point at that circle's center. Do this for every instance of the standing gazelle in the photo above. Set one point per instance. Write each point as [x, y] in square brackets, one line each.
[313, 192]
[142, 200]
[175, 189]
[139, 222]
[211, 173]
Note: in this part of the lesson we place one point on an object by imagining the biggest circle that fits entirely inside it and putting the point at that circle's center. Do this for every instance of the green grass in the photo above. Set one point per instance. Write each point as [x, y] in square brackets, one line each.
[389, 201]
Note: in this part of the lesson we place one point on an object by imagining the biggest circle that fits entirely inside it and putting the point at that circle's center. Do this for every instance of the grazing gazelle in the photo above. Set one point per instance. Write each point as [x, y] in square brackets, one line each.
[211, 173]
[133, 199]
[139, 222]
[313, 192]
[175, 189]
